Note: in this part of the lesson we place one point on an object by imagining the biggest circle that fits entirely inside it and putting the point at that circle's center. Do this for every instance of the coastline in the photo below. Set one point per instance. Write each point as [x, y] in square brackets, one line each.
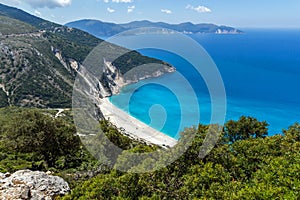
[133, 127]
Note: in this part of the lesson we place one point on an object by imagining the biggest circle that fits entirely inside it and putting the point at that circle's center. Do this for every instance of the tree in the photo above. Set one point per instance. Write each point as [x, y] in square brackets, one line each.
[245, 128]
[293, 131]
[32, 131]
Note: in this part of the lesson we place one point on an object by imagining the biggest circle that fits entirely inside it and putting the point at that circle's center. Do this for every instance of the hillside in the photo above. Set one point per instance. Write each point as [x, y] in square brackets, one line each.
[18, 14]
[104, 29]
[244, 164]
[40, 59]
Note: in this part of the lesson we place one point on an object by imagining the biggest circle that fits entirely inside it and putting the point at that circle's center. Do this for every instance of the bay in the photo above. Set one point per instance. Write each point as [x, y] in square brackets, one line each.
[260, 71]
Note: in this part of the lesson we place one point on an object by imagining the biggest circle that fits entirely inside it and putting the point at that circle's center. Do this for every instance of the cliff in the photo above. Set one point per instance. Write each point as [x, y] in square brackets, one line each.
[113, 80]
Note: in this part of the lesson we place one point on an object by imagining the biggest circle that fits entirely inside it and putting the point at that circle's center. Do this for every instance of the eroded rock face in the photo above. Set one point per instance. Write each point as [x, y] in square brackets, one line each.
[35, 185]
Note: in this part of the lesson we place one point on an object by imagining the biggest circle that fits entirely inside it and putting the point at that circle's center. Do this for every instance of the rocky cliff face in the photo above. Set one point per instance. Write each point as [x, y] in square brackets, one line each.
[26, 184]
[112, 80]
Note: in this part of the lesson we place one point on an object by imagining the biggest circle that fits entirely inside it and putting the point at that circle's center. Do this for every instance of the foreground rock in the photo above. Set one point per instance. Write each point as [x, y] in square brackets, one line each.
[26, 184]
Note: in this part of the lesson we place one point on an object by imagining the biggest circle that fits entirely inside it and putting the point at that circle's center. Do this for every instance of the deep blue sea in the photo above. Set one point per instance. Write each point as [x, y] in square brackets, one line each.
[260, 71]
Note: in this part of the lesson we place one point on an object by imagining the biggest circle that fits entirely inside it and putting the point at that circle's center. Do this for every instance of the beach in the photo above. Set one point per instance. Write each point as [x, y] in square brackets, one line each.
[133, 126]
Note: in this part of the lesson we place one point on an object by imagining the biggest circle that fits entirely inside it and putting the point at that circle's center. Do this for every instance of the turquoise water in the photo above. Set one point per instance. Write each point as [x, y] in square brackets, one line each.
[260, 70]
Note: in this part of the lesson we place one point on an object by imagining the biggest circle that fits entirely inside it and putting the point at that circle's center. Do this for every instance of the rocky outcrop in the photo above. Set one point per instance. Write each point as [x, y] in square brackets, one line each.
[35, 185]
[113, 80]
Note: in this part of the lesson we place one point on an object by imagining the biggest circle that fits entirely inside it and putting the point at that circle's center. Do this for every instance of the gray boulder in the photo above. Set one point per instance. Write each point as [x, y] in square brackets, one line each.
[35, 185]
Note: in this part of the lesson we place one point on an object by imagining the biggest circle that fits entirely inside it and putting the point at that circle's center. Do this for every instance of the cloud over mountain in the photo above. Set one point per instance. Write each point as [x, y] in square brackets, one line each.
[167, 11]
[130, 9]
[200, 9]
[48, 3]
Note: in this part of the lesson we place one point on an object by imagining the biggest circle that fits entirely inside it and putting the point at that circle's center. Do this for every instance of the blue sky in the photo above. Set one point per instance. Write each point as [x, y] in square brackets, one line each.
[238, 13]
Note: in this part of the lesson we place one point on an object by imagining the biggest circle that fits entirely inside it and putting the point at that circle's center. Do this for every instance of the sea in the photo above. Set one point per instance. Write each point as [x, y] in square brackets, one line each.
[260, 70]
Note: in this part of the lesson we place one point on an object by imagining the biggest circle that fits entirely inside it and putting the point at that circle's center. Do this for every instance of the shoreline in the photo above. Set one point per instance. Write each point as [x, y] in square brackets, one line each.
[133, 127]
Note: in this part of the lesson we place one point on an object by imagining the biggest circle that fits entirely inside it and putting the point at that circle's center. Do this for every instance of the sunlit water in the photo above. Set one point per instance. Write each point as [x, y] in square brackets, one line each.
[260, 70]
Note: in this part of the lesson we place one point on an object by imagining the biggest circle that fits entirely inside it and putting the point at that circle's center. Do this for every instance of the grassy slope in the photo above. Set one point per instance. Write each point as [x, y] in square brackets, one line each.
[20, 15]
[12, 26]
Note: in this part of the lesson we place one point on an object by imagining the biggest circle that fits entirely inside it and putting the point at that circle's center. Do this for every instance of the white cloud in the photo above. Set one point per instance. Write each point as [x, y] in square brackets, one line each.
[110, 10]
[48, 3]
[106, 1]
[130, 9]
[200, 9]
[166, 11]
[38, 13]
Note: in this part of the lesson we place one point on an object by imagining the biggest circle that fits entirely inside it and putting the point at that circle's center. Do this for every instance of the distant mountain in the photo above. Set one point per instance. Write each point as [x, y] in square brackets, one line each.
[40, 59]
[104, 29]
[97, 28]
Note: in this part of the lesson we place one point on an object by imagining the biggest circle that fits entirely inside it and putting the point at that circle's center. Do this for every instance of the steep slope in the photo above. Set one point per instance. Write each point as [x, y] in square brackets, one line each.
[40, 59]
[104, 29]
[18, 14]
[31, 74]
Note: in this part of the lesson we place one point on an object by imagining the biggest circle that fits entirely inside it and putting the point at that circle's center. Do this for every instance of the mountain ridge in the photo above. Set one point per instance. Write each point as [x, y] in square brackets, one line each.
[100, 29]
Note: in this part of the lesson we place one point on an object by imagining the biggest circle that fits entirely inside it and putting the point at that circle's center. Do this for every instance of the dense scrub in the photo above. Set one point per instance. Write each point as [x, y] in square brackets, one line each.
[244, 164]
[34, 139]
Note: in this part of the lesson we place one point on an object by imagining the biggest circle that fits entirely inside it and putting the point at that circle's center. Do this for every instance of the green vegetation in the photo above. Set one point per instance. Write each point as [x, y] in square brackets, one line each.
[34, 139]
[72, 44]
[254, 167]
[134, 59]
[24, 17]
[251, 167]
[3, 99]
[32, 131]
[12, 26]
[245, 128]
[32, 74]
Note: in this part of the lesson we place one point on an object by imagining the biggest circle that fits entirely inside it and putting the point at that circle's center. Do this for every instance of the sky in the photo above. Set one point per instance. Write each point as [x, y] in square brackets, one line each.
[237, 13]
